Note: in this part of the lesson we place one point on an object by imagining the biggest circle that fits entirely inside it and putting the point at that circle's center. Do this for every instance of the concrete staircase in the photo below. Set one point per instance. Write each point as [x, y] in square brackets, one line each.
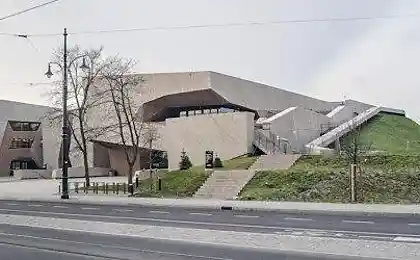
[275, 162]
[224, 185]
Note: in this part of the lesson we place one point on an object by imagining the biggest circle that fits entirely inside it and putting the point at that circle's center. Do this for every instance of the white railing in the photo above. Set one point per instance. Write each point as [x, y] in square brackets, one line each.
[343, 129]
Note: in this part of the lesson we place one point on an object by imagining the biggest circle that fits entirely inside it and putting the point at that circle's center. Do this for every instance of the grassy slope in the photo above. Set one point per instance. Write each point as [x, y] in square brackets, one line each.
[239, 163]
[186, 183]
[385, 179]
[175, 184]
[392, 134]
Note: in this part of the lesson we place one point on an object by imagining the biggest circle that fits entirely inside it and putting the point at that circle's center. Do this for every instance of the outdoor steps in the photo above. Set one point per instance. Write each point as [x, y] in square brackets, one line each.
[275, 162]
[224, 185]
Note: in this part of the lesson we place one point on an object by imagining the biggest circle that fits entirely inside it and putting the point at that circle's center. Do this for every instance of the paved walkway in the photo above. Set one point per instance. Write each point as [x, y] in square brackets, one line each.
[46, 190]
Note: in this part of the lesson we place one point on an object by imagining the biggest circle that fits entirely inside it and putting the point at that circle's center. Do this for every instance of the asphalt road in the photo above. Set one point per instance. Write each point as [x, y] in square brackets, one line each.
[26, 243]
[371, 227]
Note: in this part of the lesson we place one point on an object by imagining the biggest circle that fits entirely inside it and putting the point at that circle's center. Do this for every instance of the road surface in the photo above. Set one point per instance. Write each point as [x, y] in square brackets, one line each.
[372, 227]
[20, 242]
[26, 243]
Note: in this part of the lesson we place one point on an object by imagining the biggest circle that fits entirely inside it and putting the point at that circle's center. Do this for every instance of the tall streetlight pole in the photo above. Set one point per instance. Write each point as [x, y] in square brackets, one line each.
[65, 129]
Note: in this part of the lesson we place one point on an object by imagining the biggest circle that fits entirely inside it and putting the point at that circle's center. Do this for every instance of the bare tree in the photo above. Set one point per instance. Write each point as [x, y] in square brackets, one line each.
[84, 70]
[122, 86]
[353, 148]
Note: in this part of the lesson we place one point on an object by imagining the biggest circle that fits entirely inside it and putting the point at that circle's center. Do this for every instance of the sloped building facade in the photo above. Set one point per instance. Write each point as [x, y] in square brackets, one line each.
[197, 112]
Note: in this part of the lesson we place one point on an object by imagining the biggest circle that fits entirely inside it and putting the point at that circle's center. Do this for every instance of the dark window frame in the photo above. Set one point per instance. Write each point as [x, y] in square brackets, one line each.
[24, 126]
[21, 143]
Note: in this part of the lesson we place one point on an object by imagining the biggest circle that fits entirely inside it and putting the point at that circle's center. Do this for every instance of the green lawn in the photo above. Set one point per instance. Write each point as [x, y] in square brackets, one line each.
[391, 134]
[175, 184]
[384, 179]
[239, 163]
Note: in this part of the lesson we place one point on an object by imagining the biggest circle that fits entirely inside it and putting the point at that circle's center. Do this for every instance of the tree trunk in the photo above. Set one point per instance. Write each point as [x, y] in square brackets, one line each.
[86, 167]
[84, 151]
[130, 178]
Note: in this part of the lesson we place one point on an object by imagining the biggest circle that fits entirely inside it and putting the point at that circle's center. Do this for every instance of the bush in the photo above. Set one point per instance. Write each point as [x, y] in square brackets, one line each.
[217, 162]
[185, 162]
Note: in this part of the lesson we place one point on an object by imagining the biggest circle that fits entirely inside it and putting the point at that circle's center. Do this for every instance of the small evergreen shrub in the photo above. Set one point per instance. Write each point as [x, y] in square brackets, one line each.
[185, 162]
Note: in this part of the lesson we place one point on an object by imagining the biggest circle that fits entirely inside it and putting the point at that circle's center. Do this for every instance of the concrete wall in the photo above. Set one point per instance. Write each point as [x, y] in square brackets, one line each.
[79, 172]
[228, 135]
[49, 134]
[7, 155]
[262, 97]
[299, 126]
[118, 160]
[32, 174]
[350, 107]
[161, 84]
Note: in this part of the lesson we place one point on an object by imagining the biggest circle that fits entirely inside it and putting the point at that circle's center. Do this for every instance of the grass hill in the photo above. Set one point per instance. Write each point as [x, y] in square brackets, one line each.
[392, 176]
[392, 134]
[383, 179]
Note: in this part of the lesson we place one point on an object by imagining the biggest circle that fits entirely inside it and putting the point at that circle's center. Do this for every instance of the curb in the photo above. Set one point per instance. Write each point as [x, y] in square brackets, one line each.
[222, 206]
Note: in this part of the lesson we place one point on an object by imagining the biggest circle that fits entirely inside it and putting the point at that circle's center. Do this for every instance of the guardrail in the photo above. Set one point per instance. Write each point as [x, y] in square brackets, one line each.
[105, 188]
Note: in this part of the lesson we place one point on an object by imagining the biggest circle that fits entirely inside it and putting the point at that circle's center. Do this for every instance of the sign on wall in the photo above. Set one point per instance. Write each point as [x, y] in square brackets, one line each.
[209, 159]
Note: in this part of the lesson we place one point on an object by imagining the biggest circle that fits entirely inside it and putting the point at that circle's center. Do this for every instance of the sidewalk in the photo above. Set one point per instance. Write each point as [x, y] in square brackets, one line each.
[46, 191]
[283, 207]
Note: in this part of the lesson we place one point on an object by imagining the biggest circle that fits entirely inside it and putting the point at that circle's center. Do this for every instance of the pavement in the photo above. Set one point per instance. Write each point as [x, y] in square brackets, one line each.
[36, 223]
[132, 232]
[47, 190]
[45, 244]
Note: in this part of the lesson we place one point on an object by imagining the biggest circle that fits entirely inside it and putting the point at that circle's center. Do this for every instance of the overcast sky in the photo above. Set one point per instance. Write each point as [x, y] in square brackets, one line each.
[376, 61]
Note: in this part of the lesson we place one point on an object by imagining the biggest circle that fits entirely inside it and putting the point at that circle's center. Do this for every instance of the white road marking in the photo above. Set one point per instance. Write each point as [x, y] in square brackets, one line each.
[12, 204]
[123, 210]
[358, 222]
[90, 208]
[200, 214]
[203, 223]
[35, 205]
[159, 212]
[298, 219]
[60, 207]
[373, 237]
[407, 239]
[246, 216]
[114, 247]
[414, 224]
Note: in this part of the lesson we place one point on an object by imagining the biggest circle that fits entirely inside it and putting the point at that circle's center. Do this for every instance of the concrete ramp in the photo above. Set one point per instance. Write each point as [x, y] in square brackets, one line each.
[275, 162]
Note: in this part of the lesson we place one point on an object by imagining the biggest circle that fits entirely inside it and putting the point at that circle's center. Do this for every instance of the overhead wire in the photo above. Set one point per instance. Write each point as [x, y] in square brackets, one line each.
[27, 10]
[222, 25]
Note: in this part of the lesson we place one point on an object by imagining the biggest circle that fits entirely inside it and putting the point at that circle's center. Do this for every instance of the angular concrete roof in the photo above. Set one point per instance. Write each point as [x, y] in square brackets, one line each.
[12, 110]
[245, 93]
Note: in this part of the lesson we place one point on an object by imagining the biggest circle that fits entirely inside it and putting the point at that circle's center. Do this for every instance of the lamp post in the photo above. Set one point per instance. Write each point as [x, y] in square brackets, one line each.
[65, 129]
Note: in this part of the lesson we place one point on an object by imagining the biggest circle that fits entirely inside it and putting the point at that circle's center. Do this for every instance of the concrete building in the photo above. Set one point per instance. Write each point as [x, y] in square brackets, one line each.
[195, 112]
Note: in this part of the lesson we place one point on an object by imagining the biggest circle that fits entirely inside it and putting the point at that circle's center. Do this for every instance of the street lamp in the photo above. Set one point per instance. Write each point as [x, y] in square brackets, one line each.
[65, 129]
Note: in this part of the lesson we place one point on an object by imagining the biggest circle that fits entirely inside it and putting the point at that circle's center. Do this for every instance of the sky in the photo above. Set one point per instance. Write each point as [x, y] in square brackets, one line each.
[374, 61]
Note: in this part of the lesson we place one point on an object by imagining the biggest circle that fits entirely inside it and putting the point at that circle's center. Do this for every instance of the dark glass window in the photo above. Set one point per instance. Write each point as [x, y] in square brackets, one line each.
[21, 143]
[24, 126]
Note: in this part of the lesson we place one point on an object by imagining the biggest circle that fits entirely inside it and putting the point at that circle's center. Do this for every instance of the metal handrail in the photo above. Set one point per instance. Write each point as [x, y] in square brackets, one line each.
[269, 144]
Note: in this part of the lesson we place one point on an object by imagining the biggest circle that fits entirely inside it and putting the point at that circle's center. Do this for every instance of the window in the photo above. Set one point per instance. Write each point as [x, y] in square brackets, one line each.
[214, 111]
[24, 126]
[21, 143]
[183, 114]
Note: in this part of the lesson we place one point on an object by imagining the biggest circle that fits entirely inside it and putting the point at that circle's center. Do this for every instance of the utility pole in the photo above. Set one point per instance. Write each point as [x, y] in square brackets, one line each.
[65, 130]
[150, 161]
